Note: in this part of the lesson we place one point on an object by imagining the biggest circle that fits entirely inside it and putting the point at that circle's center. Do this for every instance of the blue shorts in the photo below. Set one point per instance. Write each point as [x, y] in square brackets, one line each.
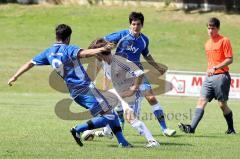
[93, 100]
[145, 86]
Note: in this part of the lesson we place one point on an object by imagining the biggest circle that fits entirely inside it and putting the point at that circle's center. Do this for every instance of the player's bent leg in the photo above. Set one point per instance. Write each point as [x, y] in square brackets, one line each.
[199, 111]
[94, 123]
[111, 118]
[150, 97]
[228, 115]
[99, 122]
[158, 112]
[141, 128]
[117, 130]
[105, 132]
[120, 114]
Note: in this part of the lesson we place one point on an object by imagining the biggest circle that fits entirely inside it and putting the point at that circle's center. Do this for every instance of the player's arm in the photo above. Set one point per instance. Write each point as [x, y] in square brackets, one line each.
[92, 52]
[227, 51]
[226, 62]
[160, 67]
[134, 88]
[221, 65]
[24, 68]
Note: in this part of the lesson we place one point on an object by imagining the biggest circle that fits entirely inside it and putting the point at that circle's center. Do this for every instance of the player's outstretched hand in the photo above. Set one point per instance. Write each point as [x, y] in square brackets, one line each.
[110, 46]
[162, 68]
[128, 93]
[11, 80]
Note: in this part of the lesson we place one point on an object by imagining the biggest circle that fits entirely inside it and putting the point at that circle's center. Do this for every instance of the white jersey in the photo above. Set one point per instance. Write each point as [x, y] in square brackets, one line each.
[107, 70]
[122, 73]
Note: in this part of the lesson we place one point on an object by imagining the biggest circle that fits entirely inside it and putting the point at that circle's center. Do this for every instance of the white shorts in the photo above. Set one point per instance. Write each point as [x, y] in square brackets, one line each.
[130, 103]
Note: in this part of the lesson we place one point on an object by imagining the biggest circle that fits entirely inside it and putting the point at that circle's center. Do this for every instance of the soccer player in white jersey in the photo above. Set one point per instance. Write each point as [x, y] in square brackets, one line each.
[118, 72]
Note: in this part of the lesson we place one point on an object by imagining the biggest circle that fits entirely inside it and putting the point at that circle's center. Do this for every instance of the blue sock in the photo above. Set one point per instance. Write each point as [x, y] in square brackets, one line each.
[94, 123]
[158, 112]
[116, 129]
[121, 118]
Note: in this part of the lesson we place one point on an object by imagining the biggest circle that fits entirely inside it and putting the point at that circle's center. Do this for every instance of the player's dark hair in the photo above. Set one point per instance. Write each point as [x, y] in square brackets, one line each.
[100, 42]
[214, 22]
[136, 16]
[63, 31]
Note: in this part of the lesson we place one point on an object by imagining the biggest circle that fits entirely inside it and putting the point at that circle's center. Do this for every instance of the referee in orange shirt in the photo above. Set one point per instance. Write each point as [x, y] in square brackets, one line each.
[217, 83]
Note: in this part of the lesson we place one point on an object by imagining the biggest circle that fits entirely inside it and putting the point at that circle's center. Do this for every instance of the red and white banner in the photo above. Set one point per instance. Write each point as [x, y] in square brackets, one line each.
[189, 83]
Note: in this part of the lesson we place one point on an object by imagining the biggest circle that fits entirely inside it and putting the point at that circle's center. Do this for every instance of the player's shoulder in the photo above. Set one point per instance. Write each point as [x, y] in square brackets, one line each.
[124, 32]
[47, 50]
[72, 46]
[208, 42]
[144, 37]
[224, 38]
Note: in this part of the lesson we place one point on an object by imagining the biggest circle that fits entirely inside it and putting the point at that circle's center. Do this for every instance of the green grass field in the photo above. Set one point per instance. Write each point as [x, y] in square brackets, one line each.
[29, 127]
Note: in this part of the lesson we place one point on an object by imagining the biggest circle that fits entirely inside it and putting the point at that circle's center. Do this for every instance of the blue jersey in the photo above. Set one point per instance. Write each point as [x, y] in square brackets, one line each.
[129, 46]
[63, 58]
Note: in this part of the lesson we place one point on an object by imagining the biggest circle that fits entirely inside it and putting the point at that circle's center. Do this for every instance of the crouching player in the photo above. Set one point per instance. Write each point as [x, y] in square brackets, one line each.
[65, 59]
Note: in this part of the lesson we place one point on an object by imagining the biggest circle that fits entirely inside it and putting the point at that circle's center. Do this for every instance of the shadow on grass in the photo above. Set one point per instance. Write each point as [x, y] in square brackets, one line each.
[139, 144]
[175, 136]
[134, 146]
[19, 104]
[207, 136]
[166, 143]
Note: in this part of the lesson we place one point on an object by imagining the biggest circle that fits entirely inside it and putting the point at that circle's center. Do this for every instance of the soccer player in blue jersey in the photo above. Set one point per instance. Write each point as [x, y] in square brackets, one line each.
[131, 44]
[65, 59]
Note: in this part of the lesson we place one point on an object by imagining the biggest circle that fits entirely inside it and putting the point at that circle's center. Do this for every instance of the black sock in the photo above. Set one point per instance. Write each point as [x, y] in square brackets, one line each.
[197, 117]
[229, 120]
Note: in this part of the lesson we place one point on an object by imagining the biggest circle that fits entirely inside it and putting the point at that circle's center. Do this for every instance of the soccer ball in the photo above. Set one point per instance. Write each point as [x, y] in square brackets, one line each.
[88, 135]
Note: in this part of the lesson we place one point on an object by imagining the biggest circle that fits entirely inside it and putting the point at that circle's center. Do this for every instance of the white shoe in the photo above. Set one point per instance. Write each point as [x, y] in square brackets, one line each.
[152, 143]
[169, 132]
[101, 133]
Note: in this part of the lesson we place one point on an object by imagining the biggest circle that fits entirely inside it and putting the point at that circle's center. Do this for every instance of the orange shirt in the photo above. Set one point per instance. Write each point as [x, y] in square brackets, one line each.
[217, 51]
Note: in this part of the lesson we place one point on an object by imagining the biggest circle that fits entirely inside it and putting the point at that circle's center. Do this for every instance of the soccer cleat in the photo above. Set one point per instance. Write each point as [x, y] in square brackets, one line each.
[169, 132]
[230, 131]
[103, 134]
[186, 128]
[125, 146]
[152, 144]
[76, 136]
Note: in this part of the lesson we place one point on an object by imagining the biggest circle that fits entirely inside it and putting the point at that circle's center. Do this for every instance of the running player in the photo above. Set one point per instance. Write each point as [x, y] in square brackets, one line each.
[65, 59]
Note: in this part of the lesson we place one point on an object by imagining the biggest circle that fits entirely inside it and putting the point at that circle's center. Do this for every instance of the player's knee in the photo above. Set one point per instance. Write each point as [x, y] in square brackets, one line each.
[202, 102]
[129, 116]
[151, 99]
[222, 105]
[129, 121]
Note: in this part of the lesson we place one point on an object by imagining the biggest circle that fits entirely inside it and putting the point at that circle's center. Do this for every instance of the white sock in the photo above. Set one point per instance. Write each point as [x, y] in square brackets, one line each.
[156, 107]
[142, 129]
[107, 130]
